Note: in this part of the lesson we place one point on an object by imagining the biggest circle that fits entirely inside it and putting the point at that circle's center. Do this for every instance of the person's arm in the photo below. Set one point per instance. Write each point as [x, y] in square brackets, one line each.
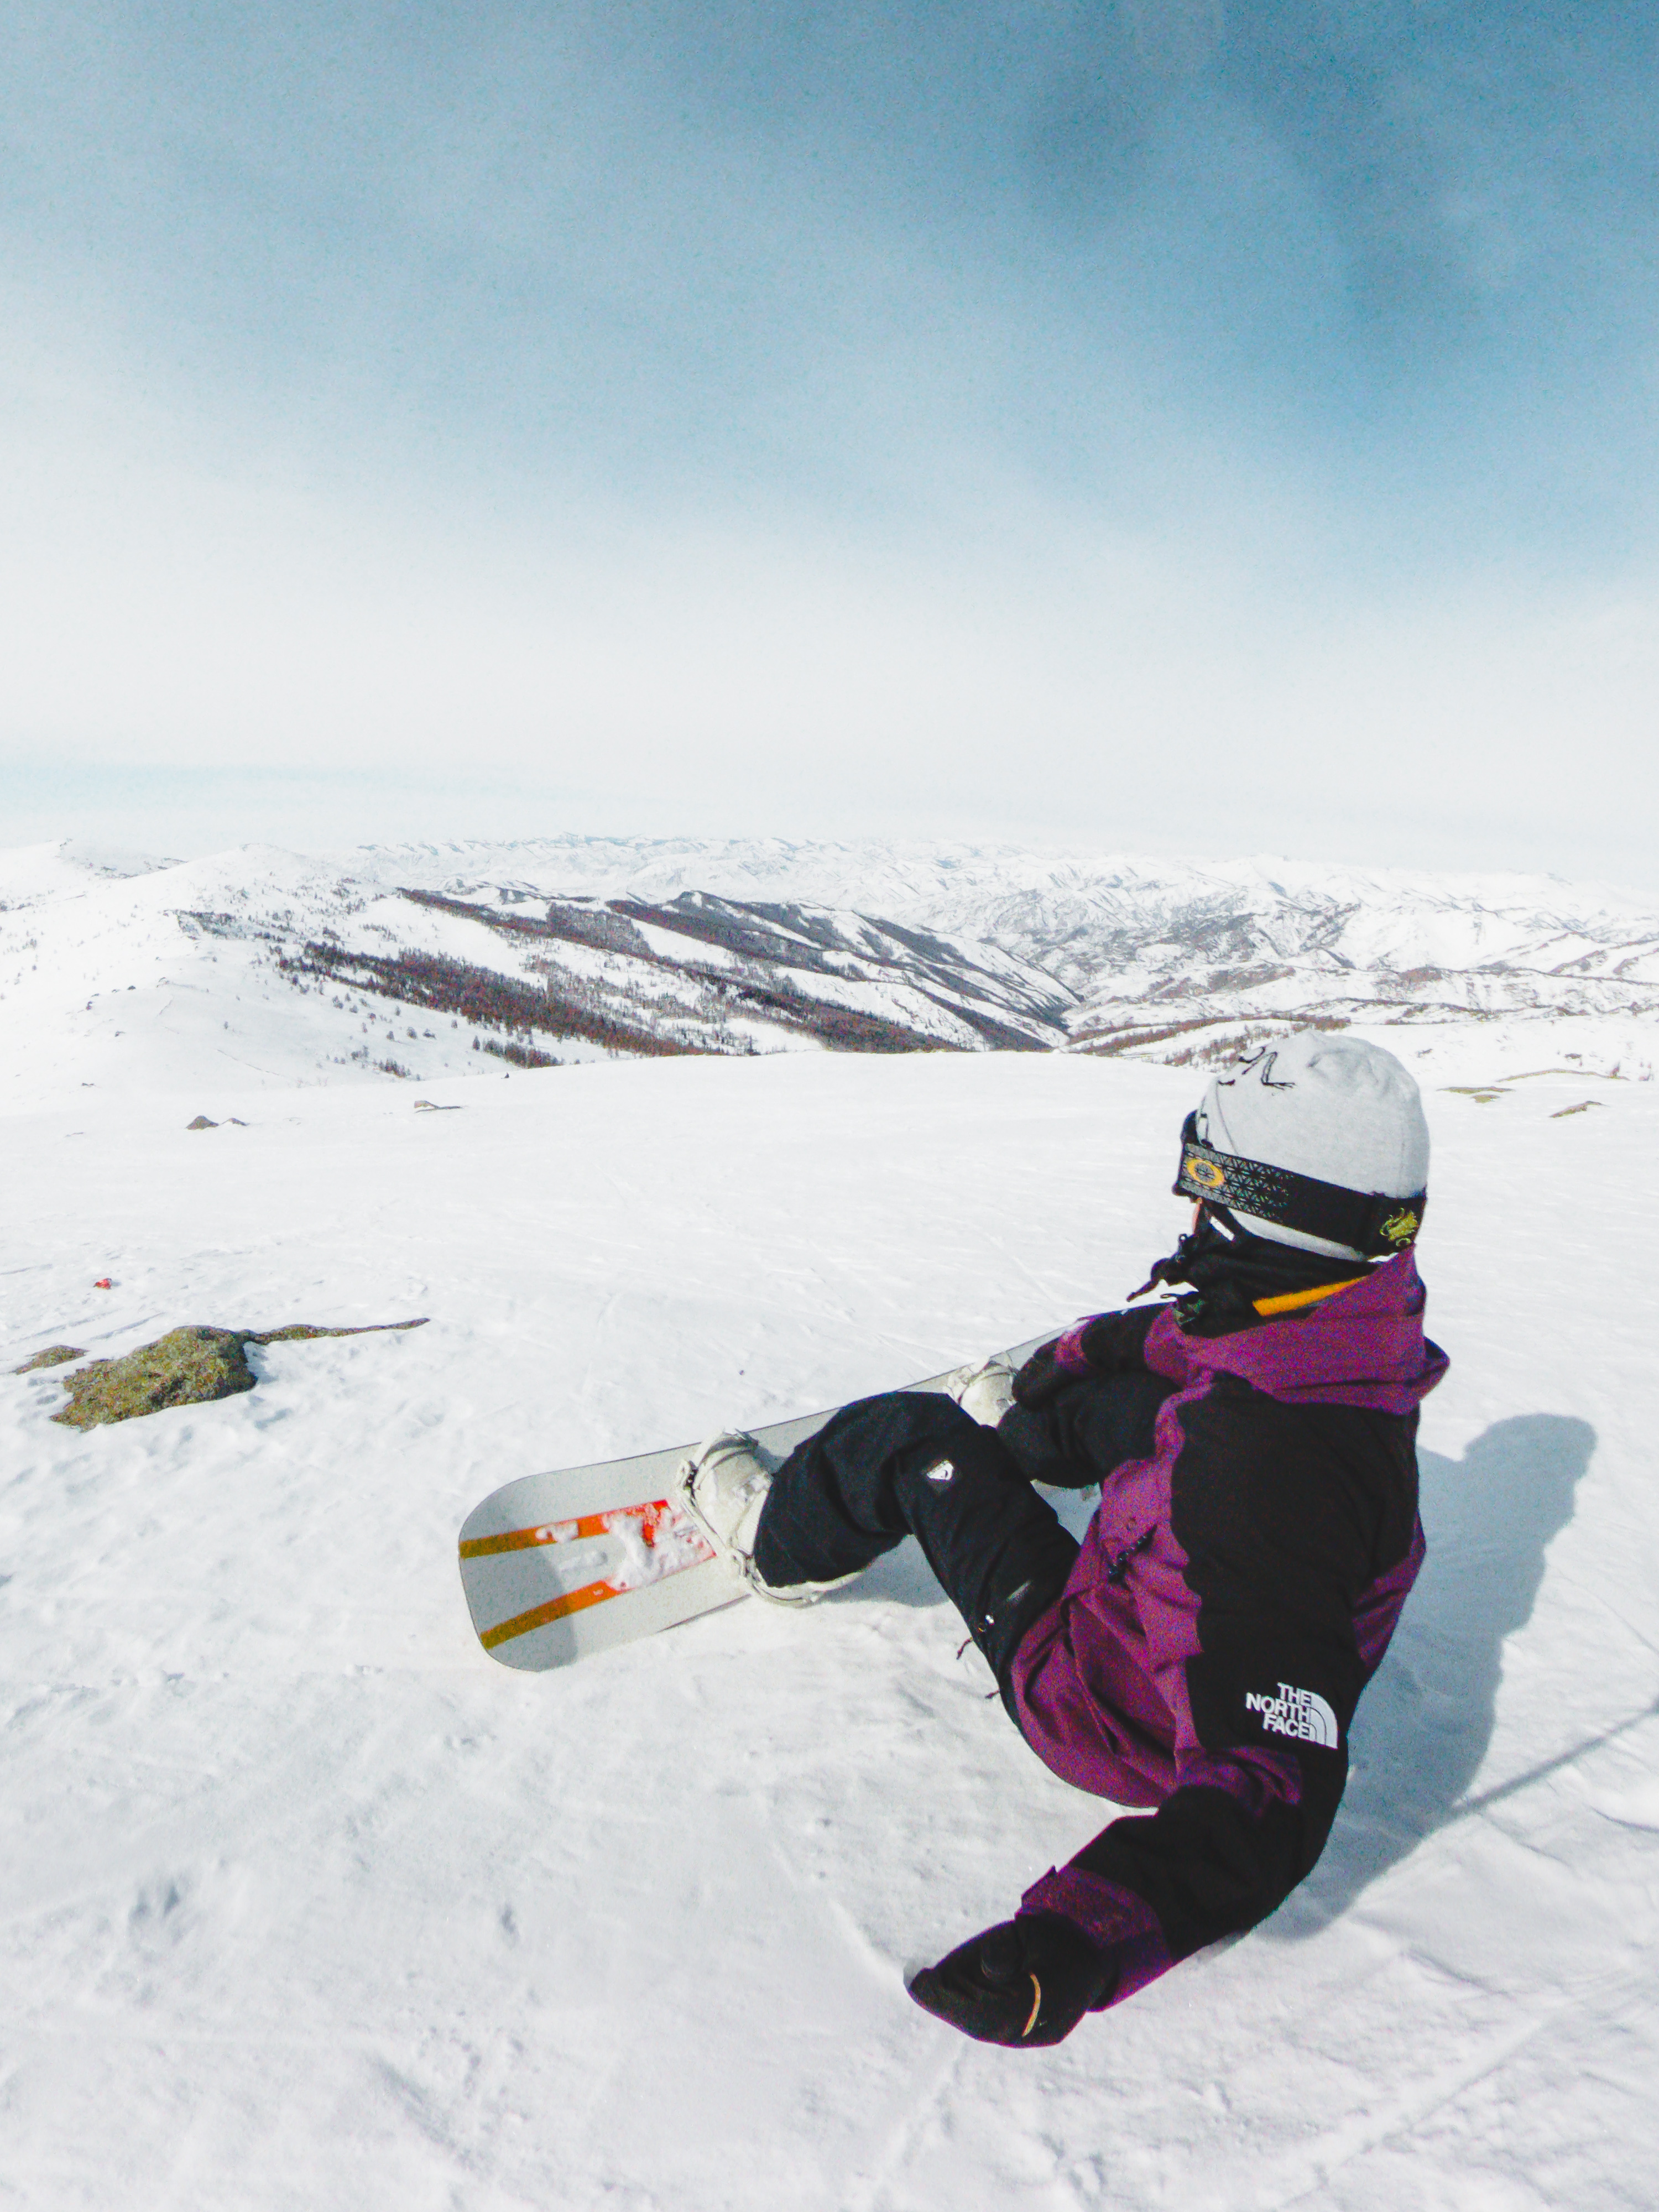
[1085, 1403]
[1236, 1834]
[1224, 1850]
[1261, 1671]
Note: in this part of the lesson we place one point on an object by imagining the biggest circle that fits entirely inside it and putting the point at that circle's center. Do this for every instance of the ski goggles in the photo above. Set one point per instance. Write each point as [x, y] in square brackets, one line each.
[1374, 1225]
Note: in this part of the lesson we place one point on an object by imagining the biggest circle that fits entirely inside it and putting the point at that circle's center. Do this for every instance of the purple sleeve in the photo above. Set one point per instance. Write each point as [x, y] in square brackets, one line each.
[1152, 1888]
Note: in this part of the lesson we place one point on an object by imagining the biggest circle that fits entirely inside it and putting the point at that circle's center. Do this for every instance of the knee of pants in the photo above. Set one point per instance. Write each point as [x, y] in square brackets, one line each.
[959, 1465]
[874, 1451]
[997, 1547]
[834, 1504]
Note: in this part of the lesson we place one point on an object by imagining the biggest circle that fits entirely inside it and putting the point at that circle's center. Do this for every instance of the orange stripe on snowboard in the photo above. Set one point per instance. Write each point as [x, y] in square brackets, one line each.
[564, 1532]
[656, 1519]
[555, 1609]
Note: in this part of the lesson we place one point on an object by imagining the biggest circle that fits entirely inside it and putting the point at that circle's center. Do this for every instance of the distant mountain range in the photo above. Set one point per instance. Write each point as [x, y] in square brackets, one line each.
[413, 960]
[1179, 961]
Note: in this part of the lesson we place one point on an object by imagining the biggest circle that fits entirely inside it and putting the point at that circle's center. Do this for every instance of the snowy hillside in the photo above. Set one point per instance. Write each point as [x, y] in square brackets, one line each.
[1083, 914]
[280, 968]
[312, 1905]
[1177, 961]
[259, 966]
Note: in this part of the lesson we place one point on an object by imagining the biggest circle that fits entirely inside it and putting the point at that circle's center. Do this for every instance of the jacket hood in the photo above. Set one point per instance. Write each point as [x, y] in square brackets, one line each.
[1362, 1345]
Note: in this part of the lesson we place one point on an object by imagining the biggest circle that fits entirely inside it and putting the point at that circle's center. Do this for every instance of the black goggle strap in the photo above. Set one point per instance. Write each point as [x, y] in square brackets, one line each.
[1373, 1225]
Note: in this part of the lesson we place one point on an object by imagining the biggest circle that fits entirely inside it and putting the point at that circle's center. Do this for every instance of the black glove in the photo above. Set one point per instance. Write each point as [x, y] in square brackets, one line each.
[1028, 1981]
[1115, 1343]
[1041, 1378]
[1112, 1343]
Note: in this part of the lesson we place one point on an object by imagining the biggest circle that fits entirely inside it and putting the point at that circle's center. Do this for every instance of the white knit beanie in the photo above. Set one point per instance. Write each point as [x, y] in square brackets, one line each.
[1331, 1107]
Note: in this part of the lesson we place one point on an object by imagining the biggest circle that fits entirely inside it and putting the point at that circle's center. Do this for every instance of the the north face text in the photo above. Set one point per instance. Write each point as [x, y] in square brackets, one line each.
[1303, 1714]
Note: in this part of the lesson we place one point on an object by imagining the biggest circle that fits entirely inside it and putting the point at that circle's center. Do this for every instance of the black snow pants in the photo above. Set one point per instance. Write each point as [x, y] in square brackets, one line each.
[912, 1463]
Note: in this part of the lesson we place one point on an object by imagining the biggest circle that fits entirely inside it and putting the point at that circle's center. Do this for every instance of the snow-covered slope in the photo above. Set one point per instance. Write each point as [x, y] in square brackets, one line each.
[1179, 961]
[1079, 912]
[260, 966]
[311, 1905]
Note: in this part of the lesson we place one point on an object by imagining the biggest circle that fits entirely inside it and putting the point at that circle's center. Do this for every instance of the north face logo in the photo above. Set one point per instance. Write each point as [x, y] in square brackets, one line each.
[1303, 1714]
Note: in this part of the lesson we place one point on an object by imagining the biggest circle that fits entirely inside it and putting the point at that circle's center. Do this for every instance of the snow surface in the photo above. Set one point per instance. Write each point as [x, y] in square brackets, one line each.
[312, 1905]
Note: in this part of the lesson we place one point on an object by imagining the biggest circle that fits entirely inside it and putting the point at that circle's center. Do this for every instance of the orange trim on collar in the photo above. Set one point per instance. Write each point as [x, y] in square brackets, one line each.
[1293, 1299]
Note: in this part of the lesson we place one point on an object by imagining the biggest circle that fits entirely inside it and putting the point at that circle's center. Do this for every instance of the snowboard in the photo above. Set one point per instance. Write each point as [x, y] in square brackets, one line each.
[559, 1566]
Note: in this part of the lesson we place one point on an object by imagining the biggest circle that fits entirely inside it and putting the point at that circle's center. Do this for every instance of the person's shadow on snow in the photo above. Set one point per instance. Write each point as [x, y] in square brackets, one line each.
[1425, 1721]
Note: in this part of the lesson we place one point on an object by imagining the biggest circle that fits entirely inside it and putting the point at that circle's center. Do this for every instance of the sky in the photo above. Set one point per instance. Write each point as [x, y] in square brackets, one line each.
[1136, 424]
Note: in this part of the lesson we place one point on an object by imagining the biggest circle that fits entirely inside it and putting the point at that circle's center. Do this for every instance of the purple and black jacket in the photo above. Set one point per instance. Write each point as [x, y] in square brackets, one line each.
[1233, 1596]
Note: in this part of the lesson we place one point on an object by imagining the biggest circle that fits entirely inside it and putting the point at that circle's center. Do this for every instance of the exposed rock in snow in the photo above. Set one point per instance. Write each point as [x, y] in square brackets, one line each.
[189, 1366]
[55, 1355]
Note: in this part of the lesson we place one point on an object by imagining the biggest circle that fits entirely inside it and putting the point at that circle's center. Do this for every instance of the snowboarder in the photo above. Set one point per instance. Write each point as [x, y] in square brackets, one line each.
[1198, 1658]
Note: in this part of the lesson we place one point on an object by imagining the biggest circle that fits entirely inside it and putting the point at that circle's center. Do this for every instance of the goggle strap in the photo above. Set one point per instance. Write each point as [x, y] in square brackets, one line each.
[1373, 1224]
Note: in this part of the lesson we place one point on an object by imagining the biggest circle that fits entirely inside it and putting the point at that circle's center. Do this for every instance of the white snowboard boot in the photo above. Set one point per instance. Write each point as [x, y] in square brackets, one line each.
[984, 1392]
[723, 1486]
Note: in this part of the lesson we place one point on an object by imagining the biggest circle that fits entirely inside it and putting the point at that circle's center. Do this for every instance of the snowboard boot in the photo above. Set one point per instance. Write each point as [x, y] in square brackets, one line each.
[723, 1486]
[984, 1391]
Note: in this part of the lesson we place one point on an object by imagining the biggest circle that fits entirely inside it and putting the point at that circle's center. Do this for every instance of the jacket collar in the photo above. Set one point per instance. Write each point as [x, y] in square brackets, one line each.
[1361, 1344]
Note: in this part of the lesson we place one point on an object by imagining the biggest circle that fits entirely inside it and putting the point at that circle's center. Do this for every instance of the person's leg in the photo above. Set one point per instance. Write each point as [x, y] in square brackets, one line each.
[912, 1463]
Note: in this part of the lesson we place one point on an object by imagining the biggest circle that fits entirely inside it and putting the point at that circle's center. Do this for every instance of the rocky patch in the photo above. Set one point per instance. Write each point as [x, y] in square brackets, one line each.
[189, 1366]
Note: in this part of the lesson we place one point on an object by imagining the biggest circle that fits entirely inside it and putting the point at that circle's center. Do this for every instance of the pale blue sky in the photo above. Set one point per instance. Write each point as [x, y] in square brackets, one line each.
[1159, 424]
